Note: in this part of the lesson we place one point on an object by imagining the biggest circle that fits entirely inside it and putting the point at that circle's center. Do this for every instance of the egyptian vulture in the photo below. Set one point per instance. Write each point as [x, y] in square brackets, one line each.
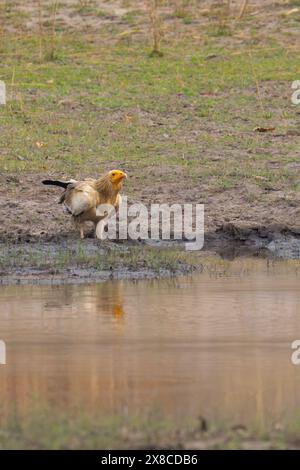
[82, 198]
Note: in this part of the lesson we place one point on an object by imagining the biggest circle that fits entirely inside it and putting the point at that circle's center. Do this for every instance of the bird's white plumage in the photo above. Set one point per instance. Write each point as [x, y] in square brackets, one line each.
[80, 203]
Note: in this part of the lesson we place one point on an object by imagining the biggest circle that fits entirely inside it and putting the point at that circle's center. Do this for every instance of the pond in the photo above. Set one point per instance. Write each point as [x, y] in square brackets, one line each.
[215, 346]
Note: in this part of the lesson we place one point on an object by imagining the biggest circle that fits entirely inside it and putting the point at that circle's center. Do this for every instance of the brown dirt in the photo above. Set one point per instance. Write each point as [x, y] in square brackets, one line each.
[29, 210]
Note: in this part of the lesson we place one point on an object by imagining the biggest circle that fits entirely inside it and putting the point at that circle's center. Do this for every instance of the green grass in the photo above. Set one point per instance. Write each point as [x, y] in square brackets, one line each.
[95, 107]
[48, 428]
[44, 427]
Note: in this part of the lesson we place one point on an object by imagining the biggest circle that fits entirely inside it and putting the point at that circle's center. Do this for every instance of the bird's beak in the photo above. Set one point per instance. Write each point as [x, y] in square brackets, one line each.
[124, 175]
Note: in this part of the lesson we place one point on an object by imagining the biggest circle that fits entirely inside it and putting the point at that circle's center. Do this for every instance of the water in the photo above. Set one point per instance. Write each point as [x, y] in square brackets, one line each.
[213, 346]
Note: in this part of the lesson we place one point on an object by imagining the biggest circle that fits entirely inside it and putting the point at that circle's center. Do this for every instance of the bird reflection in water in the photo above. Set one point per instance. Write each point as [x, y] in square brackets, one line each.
[118, 311]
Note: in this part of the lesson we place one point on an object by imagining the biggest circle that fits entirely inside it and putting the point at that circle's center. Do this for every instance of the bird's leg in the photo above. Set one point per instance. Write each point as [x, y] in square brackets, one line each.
[100, 229]
[79, 226]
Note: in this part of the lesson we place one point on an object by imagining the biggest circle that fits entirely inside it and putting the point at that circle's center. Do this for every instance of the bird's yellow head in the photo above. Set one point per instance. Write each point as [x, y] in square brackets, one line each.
[116, 176]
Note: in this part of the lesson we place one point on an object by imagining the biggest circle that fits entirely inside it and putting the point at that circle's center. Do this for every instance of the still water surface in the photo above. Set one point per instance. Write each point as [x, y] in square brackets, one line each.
[219, 347]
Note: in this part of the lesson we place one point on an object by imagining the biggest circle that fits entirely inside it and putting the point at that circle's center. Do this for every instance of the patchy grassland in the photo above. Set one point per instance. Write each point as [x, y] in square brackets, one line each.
[84, 96]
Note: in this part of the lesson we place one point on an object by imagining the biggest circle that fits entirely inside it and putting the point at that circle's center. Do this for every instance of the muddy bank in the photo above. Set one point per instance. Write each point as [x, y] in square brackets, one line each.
[276, 241]
[73, 276]
[38, 243]
[63, 258]
[68, 260]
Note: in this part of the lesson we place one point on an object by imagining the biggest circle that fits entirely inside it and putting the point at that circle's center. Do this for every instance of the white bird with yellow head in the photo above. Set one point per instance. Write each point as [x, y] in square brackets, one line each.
[81, 198]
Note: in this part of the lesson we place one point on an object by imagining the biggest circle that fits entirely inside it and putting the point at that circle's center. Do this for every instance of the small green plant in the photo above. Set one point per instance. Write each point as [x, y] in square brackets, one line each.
[222, 12]
[156, 28]
[243, 9]
[181, 9]
[51, 54]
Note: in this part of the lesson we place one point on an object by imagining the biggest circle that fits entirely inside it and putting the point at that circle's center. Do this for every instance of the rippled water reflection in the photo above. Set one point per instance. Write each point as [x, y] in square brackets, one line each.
[219, 347]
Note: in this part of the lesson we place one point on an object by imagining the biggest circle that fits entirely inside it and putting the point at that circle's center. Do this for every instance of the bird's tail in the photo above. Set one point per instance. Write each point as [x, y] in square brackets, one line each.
[62, 184]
